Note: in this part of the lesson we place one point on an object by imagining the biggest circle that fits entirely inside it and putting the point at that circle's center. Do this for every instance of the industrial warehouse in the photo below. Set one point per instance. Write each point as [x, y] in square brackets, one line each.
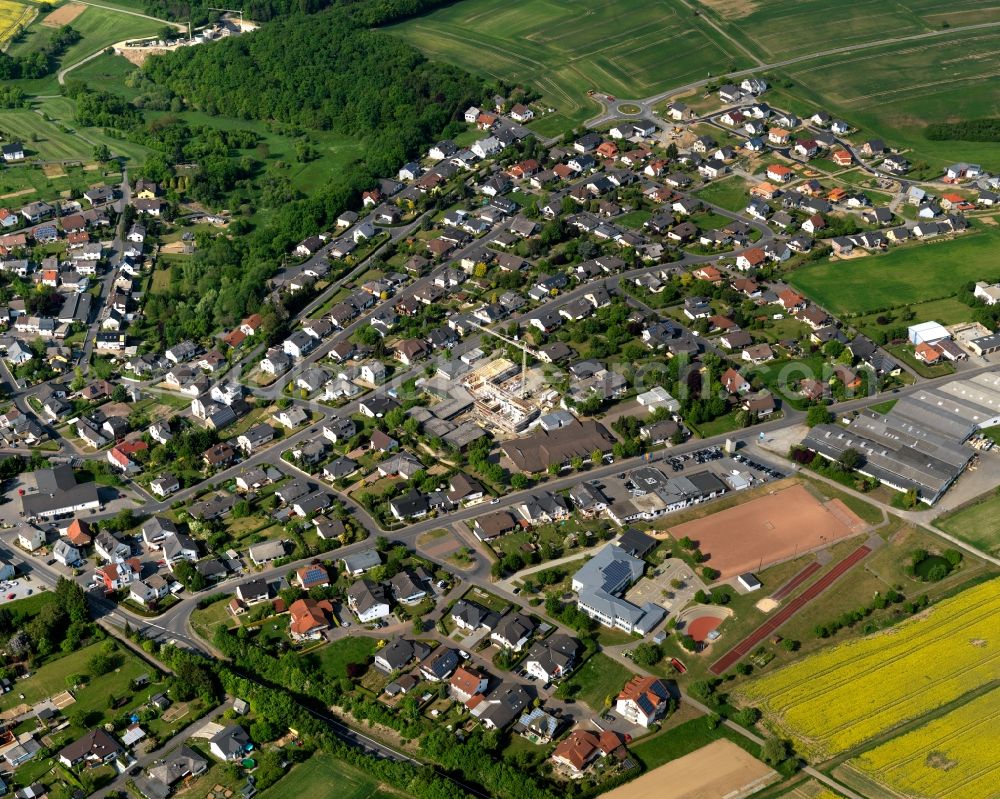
[920, 443]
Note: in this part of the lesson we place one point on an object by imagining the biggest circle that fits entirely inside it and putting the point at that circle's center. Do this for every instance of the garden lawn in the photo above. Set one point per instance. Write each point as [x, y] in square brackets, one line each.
[905, 275]
[977, 524]
[336, 657]
[50, 680]
[905, 353]
[554, 534]
[204, 621]
[325, 777]
[730, 193]
[598, 679]
[634, 219]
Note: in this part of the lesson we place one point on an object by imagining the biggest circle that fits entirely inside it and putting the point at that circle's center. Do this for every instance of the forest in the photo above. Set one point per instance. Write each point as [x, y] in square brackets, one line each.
[323, 71]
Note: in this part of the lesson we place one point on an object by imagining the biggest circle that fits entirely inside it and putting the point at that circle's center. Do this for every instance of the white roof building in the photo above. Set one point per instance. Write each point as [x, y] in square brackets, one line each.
[927, 333]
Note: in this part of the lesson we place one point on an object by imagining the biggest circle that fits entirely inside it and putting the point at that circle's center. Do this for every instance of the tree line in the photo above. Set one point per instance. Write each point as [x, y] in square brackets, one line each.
[42, 60]
[967, 130]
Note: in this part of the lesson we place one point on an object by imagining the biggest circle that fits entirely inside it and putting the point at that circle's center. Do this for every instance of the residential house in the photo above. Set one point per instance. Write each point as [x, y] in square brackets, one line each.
[513, 631]
[576, 753]
[440, 664]
[266, 551]
[368, 600]
[94, 748]
[643, 700]
[553, 658]
[308, 618]
[230, 744]
[466, 682]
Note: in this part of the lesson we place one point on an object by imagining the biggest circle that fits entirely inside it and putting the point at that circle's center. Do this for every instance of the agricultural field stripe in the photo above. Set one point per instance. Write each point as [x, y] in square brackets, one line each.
[793, 607]
[796, 581]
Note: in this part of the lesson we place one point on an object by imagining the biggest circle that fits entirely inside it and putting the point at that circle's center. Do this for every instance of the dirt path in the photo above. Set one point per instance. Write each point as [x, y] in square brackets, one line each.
[18, 193]
[177, 25]
[61, 77]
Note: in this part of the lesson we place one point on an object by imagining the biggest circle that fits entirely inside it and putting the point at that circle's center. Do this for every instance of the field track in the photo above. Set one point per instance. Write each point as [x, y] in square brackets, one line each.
[796, 581]
[789, 610]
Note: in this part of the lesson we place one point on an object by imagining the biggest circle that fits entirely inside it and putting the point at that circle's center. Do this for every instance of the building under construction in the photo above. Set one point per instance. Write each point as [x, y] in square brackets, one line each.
[500, 401]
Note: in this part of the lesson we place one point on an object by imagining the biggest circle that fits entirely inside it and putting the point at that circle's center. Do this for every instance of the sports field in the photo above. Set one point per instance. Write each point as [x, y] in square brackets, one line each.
[953, 756]
[630, 48]
[839, 698]
[768, 529]
[325, 777]
[788, 610]
[977, 524]
[903, 276]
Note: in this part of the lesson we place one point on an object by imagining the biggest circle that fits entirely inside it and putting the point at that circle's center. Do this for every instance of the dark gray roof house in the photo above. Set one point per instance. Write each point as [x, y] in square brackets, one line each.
[398, 652]
[504, 704]
[440, 664]
[471, 615]
[230, 743]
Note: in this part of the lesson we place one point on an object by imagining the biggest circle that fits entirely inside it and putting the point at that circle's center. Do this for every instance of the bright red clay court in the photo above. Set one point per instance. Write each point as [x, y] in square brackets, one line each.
[700, 627]
[789, 610]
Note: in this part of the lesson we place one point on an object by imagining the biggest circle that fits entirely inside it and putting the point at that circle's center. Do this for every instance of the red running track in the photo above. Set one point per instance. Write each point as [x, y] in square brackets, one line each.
[796, 581]
[789, 610]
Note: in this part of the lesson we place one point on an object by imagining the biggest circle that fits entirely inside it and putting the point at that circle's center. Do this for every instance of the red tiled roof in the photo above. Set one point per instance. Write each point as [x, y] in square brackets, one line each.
[308, 614]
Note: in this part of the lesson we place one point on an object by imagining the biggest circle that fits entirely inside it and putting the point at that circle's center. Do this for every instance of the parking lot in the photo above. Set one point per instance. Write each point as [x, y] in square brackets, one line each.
[723, 464]
[16, 588]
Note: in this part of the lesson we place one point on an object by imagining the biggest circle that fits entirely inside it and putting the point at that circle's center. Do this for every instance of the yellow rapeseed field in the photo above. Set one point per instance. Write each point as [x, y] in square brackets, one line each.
[13, 17]
[837, 699]
[957, 755]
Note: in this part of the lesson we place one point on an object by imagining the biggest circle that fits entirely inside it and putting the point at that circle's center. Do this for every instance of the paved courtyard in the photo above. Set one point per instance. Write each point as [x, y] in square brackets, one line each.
[657, 588]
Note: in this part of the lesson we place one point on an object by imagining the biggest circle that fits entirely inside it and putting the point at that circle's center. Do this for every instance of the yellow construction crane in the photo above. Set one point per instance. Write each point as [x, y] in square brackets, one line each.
[525, 352]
